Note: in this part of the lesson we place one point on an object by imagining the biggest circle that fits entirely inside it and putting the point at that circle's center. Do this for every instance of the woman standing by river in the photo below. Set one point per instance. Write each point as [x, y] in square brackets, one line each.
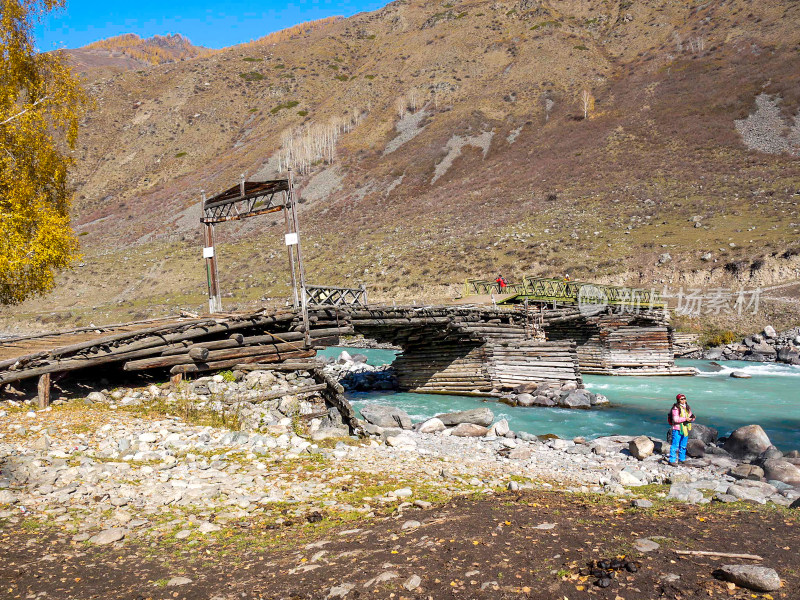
[680, 418]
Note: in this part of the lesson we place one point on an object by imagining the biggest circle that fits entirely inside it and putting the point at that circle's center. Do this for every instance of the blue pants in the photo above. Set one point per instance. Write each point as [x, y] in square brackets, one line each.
[679, 442]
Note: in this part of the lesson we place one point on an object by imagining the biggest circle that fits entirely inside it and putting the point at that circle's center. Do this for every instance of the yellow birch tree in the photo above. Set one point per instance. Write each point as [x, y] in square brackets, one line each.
[40, 107]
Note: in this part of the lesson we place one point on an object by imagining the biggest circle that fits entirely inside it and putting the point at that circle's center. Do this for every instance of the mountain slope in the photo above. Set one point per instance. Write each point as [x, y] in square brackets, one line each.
[129, 51]
[462, 150]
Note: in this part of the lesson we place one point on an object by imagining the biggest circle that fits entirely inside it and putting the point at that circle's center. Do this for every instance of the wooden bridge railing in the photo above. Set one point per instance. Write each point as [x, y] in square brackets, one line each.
[542, 289]
[325, 295]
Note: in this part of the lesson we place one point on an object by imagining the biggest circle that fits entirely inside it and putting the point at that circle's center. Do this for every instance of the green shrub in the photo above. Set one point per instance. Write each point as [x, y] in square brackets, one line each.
[280, 107]
[544, 24]
[251, 76]
[302, 113]
[720, 338]
[369, 76]
[342, 77]
[334, 67]
[180, 154]
[251, 59]
[227, 376]
[580, 47]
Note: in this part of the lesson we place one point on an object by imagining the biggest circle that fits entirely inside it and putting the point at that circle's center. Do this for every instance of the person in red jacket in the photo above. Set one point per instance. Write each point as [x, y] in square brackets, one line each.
[501, 282]
[681, 418]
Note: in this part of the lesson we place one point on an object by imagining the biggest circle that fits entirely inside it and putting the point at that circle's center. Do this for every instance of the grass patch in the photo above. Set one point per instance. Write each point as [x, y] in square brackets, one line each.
[342, 77]
[251, 76]
[251, 59]
[181, 154]
[580, 47]
[302, 113]
[370, 77]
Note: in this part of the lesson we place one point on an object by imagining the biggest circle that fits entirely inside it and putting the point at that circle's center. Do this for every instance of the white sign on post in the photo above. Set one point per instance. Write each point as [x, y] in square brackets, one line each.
[208, 252]
[291, 239]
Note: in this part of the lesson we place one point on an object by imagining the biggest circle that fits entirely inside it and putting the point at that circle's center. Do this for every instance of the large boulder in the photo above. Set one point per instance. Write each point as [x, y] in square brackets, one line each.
[542, 400]
[704, 433]
[525, 400]
[781, 470]
[696, 449]
[432, 426]
[500, 429]
[769, 332]
[469, 430]
[386, 416]
[771, 452]
[476, 416]
[752, 577]
[747, 442]
[765, 349]
[752, 472]
[641, 447]
[575, 399]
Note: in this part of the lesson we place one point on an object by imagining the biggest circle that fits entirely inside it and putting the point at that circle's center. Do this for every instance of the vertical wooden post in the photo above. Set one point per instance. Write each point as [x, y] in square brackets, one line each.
[44, 390]
[288, 230]
[301, 270]
[212, 273]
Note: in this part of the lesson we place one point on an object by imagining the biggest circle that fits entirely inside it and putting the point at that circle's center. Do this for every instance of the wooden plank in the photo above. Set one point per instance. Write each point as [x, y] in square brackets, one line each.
[160, 362]
[44, 390]
[226, 364]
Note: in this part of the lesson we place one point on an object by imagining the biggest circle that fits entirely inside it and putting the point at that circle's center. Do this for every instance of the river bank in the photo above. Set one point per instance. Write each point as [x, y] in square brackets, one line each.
[638, 405]
[189, 493]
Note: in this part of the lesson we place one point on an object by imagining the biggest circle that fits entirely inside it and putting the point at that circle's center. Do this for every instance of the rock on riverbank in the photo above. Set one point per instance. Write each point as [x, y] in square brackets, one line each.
[767, 346]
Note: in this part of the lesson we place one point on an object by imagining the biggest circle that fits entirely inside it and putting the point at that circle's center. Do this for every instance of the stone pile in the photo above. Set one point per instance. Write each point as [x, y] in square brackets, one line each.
[767, 346]
[355, 375]
[758, 470]
[564, 395]
[254, 401]
[745, 466]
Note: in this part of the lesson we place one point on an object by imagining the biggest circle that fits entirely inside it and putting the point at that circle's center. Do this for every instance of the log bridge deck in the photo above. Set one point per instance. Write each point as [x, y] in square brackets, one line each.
[446, 349]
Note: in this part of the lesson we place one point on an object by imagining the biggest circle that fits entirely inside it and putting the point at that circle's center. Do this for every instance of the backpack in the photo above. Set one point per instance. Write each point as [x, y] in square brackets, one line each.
[669, 414]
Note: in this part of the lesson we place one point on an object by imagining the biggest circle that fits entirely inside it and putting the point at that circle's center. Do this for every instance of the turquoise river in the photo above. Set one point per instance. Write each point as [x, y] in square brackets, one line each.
[639, 405]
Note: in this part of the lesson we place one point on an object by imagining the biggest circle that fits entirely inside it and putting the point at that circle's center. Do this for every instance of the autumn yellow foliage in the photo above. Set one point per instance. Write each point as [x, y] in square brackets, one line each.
[156, 50]
[292, 32]
[40, 107]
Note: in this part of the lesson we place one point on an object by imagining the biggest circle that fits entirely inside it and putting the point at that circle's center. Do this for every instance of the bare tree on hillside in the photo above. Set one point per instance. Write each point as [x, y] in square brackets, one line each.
[305, 146]
[588, 102]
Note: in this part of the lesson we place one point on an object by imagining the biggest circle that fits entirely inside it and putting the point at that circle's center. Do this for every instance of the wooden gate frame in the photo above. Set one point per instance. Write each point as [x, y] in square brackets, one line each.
[252, 199]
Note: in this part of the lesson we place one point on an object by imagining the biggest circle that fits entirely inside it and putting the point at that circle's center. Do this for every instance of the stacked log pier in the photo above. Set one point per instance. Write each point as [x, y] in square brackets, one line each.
[615, 342]
[512, 364]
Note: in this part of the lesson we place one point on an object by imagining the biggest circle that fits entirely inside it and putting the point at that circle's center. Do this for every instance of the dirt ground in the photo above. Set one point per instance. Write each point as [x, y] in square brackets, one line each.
[533, 545]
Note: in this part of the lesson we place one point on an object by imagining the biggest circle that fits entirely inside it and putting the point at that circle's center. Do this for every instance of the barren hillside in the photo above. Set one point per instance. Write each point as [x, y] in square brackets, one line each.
[461, 150]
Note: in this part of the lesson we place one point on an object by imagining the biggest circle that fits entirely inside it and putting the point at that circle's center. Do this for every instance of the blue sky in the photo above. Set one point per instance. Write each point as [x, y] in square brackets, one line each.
[214, 24]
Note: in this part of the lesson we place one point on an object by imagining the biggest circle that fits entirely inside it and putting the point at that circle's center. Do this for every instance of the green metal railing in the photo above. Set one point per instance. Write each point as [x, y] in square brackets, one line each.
[484, 287]
[559, 291]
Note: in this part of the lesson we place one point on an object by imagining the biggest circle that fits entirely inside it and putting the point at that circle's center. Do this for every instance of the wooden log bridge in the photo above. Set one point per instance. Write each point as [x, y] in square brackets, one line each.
[452, 349]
